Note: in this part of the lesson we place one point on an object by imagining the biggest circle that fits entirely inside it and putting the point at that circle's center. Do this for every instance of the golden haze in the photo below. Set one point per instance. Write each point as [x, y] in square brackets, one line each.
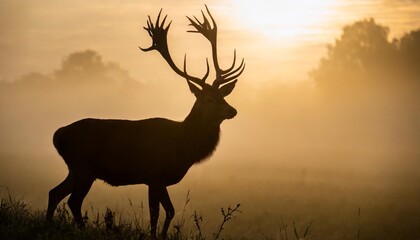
[304, 147]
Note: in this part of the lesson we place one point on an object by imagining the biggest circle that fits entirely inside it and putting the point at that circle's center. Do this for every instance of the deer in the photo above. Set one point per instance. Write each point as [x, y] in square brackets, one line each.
[157, 152]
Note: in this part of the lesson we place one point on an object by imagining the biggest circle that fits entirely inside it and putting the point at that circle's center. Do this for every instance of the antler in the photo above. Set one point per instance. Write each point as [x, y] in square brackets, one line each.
[209, 32]
[159, 33]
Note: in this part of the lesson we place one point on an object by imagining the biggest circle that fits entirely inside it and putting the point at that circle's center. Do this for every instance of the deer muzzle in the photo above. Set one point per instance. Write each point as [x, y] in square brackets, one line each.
[231, 112]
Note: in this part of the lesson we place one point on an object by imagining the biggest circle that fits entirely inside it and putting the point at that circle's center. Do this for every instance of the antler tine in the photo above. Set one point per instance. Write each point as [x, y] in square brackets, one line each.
[206, 22]
[207, 71]
[211, 17]
[203, 27]
[241, 68]
[200, 82]
[185, 66]
[232, 75]
[158, 17]
[195, 24]
[150, 23]
[233, 64]
[209, 30]
[212, 37]
[230, 72]
[158, 32]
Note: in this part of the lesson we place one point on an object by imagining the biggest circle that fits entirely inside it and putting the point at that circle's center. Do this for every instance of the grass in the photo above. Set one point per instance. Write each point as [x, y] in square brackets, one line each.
[389, 204]
[19, 221]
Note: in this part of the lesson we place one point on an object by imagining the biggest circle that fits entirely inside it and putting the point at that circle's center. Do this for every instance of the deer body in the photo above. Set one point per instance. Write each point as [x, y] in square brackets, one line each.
[123, 152]
[157, 152]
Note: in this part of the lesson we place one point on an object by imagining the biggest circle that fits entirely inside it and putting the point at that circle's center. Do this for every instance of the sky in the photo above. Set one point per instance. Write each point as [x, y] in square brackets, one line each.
[288, 36]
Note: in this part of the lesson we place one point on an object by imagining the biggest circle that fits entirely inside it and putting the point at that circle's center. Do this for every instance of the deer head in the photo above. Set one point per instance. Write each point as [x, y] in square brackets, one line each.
[210, 102]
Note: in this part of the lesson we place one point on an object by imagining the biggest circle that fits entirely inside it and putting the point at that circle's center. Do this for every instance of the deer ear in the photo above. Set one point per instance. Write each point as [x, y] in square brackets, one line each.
[227, 88]
[193, 88]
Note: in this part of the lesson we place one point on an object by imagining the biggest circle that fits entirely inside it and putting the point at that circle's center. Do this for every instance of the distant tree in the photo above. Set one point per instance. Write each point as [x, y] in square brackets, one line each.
[409, 51]
[81, 64]
[33, 79]
[362, 55]
[84, 85]
[77, 68]
[370, 85]
[88, 66]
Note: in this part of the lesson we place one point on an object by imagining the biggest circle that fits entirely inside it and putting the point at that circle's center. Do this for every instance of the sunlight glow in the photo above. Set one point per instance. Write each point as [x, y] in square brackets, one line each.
[284, 19]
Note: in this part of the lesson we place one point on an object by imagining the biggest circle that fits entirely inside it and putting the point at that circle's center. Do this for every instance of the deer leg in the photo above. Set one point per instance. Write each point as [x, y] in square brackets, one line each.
[154, 209]
[169, 209]
[59, 193]
[80, 191]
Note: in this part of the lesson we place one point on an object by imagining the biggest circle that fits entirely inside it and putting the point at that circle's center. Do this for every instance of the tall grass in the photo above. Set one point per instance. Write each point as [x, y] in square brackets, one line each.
[19, 221]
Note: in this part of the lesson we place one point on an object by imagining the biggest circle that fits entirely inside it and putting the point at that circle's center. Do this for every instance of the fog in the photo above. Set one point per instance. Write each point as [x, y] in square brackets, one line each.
[346, 137]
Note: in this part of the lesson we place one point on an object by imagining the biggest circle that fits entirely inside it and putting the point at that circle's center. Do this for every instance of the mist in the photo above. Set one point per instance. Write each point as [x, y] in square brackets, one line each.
[347, 137]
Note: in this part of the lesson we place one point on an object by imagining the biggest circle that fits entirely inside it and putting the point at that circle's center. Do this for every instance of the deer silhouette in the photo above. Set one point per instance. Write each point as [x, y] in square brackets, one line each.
[157, 152]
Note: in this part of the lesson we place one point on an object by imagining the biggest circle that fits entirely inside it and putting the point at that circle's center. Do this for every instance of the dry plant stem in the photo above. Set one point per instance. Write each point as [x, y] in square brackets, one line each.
[197, 220]
[226, 217]
[306, 230]
[295, 230]
[136, 221]
[283, 227]
[187, 200]
[181, 222]
[358, 224]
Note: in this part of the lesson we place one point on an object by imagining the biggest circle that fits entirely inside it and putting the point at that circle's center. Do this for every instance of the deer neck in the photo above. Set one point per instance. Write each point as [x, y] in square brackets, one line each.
[202, 136]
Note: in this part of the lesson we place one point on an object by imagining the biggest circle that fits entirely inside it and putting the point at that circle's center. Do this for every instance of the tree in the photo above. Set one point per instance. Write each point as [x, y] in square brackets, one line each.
[84, 86]
[409, 52]
[87, 66]
[81, 64]
[361, 56]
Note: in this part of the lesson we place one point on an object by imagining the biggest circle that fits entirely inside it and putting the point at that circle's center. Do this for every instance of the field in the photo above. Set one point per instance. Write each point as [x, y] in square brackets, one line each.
[338, 204]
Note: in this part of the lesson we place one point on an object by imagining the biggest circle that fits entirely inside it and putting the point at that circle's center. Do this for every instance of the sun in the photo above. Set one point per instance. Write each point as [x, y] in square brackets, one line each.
[283, 19]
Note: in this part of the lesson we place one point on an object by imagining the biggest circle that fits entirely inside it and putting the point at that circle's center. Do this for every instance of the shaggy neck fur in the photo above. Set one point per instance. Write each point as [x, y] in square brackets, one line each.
[202, 134]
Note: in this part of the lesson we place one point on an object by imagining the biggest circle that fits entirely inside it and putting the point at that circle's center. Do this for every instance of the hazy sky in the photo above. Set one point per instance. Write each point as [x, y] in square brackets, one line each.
[285, 38]
[329, 142]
